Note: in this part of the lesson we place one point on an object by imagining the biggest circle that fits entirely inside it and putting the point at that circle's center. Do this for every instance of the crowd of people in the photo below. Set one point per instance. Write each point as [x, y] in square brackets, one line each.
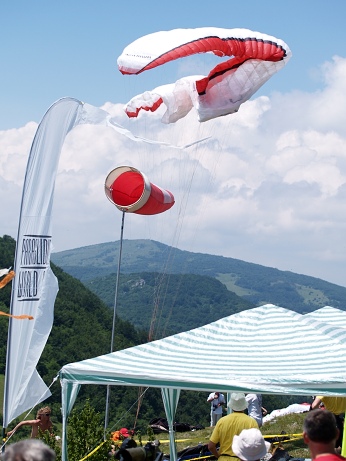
[235, 435]
[254, 407]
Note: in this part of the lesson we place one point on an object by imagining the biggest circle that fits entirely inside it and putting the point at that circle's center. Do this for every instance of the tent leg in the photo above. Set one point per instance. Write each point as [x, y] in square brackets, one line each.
[170, 398]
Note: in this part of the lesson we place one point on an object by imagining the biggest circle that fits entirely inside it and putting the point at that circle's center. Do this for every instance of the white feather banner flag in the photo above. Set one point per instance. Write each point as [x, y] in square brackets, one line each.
[35, 286]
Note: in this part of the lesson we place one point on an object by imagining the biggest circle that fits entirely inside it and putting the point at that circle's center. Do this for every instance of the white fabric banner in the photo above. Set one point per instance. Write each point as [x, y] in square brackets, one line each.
[35, 287]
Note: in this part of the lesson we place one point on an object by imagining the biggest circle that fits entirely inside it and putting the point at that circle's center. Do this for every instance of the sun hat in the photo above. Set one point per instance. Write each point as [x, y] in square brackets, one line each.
[238, 401]
[250, 445]
[124, 432]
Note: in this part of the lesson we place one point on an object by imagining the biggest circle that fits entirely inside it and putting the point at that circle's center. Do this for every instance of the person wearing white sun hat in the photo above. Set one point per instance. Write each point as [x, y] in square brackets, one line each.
[250, 445]
[229, 426]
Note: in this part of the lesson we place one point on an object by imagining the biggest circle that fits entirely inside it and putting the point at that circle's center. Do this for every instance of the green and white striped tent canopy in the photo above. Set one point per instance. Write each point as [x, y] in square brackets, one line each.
[267, 349]
[330, 315]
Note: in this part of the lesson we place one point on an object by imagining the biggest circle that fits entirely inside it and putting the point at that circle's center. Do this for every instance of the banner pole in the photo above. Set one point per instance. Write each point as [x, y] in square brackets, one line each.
[114, 317]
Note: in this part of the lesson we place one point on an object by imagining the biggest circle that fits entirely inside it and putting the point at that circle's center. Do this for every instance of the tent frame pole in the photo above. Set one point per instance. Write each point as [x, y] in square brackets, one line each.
[114, 317]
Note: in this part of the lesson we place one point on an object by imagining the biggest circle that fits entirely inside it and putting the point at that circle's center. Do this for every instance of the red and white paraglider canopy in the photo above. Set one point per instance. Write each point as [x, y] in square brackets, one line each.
[132, 192]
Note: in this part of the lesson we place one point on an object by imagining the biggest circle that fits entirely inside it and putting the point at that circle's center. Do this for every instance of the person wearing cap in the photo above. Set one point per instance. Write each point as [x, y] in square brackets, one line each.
[229, 426]
[217, 400]
[250, 445]
[126, 437]
[320, 433]
[124, 433]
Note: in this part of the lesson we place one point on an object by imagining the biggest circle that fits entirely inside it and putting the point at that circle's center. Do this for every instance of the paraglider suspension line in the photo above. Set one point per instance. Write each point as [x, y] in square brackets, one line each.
[114, 317]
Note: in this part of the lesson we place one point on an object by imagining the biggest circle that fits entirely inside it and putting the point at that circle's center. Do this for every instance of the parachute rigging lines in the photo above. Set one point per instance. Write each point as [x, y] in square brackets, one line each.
[255, 57]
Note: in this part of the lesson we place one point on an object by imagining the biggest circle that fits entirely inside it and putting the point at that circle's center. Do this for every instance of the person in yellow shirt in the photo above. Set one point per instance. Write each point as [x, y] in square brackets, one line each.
[337, 406]
[229, 426]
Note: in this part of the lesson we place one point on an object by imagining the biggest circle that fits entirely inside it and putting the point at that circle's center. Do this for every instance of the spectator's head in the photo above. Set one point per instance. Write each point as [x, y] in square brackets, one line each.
[320, 427]
[250, 445]
[28, 450]
[44, 411]
[237, 402]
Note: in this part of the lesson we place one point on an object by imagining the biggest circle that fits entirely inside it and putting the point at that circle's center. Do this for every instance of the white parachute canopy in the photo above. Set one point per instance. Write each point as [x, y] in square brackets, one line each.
[255, 57]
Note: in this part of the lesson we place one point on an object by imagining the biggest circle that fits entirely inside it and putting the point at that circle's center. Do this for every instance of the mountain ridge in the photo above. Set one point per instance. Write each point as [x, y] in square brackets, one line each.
[253, 282]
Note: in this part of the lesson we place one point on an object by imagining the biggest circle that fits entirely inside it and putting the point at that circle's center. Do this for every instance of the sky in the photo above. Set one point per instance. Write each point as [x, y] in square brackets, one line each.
[268, 186]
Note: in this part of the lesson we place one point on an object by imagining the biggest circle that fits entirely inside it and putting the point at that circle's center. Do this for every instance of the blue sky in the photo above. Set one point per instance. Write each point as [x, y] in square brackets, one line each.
[269, 187]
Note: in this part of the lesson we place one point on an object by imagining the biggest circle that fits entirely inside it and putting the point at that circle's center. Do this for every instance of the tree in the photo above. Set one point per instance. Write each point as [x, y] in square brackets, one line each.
[85, 434]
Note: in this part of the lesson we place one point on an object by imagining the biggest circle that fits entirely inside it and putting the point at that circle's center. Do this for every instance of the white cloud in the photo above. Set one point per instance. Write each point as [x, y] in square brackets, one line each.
[267, 187]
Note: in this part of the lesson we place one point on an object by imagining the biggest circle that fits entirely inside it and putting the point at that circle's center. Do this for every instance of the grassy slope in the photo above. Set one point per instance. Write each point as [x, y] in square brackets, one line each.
[230, 281]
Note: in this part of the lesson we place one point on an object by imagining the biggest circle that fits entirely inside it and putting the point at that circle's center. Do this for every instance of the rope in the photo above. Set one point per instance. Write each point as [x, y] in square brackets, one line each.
[139, 400]
[288, 440]
[202, 457]
[281, 438]
[266, 436]
[117, 422]
[93, 451]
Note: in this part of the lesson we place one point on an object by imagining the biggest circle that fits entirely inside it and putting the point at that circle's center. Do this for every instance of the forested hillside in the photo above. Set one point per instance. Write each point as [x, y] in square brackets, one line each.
[168, 303]
[82, 329]
[253, 282]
